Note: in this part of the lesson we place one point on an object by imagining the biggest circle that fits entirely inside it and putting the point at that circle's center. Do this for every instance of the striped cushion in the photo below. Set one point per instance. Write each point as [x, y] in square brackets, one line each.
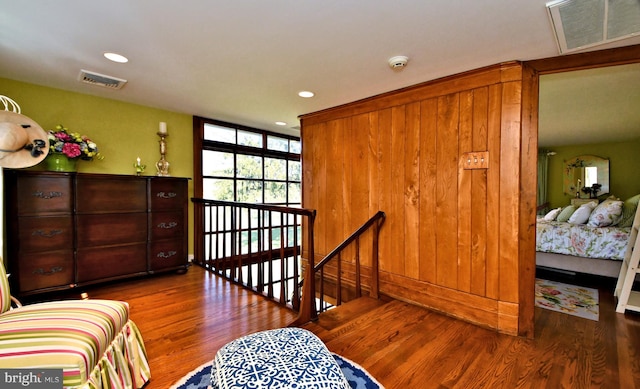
[5, 293]
[93, 341]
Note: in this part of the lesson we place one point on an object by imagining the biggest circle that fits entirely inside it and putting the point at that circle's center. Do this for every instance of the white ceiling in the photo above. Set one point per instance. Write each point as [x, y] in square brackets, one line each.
[244, 61]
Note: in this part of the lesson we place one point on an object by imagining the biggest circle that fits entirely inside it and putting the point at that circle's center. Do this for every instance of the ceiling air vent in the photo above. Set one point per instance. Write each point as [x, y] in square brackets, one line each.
[579, 24]
[101, 79]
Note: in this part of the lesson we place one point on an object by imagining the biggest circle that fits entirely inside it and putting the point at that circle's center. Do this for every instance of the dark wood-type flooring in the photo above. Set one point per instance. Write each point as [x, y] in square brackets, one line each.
[185, 318]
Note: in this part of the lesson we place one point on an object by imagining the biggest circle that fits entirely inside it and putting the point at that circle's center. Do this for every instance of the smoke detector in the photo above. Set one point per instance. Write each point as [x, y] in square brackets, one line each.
[398, 62]
[101, 79]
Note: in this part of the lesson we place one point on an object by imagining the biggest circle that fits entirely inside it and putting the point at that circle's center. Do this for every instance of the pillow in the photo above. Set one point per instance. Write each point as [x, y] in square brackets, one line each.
[606, 214]
[629, 211]
[581, 215]
[5, 293]
[566, 213]
[552, 214]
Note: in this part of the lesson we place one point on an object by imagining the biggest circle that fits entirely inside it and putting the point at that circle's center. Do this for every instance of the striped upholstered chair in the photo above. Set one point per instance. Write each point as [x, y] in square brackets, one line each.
[92, 341]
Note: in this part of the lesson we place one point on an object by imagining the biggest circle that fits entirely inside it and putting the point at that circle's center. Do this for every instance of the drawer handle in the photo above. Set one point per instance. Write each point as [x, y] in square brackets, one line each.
[44, 234]
[168, 254]
[47, 195]
[167, 226]
[54, 270]
[166, 195]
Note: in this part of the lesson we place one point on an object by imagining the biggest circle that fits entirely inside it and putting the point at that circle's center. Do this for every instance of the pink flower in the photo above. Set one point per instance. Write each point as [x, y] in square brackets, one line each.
[550, 291]
[63, 136]
[71, 150]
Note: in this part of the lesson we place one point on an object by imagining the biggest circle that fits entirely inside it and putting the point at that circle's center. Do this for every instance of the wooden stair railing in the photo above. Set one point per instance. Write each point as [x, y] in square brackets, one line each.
[258, 246]
[308, 310]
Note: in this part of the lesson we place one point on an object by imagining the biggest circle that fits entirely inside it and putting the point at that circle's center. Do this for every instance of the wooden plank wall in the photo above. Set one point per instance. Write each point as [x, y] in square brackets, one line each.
[451, 240]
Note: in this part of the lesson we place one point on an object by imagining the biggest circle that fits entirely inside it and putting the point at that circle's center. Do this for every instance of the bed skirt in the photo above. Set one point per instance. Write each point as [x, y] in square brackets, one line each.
[600, 267]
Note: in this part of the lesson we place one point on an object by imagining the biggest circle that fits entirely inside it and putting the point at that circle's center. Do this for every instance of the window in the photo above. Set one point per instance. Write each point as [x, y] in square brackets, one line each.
[248, 165]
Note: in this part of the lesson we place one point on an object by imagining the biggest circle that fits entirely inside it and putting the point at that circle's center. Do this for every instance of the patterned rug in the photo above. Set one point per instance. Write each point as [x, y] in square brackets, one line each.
[573, 300]
[357, 376]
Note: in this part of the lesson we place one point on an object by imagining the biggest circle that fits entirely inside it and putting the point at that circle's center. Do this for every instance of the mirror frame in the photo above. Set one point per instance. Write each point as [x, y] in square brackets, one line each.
[570, 165]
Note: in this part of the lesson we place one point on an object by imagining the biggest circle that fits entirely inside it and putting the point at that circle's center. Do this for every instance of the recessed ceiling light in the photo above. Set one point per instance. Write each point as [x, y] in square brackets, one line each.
[116, 57]
[306, 94]
[281, 123]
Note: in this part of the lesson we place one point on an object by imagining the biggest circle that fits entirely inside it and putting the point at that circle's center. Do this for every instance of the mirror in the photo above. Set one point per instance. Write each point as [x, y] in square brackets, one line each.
[586, 171]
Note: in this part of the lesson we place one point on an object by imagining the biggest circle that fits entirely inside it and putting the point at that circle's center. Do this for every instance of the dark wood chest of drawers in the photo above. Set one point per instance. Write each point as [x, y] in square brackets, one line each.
[71, 229]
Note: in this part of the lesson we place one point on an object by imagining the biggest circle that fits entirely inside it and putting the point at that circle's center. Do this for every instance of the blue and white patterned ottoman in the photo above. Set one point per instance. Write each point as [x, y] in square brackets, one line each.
[282, 358]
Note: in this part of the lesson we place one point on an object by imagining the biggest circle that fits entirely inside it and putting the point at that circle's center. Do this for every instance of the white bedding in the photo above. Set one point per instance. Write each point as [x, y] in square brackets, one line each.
[581, 240]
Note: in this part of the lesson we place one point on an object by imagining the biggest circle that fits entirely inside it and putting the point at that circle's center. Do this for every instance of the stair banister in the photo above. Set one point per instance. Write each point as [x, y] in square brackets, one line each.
[308, 311]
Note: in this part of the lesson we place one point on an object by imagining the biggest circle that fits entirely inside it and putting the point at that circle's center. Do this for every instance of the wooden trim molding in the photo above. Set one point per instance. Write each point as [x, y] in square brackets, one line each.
[592, 59]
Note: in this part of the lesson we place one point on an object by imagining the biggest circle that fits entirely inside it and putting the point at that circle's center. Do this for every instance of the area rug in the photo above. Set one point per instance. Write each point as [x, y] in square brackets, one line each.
[357, 376]
[570, 299]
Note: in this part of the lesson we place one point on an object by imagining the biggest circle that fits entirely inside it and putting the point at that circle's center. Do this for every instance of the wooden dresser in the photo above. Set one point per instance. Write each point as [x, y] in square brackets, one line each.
[66, 230]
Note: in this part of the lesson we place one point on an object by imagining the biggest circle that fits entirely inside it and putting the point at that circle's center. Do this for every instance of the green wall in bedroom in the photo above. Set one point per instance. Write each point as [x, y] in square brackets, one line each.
[624, 166]
[121, 130]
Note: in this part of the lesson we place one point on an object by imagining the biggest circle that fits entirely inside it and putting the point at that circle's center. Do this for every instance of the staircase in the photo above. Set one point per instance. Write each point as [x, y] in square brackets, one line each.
[262, 248]
[316, 299]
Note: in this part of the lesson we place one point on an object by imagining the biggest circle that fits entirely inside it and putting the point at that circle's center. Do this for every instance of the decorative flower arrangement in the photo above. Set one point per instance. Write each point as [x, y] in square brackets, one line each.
[72, 144]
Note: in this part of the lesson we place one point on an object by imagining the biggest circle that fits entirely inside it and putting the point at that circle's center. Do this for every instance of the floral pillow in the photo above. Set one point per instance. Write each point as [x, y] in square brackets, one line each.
[581, 215]
[552, 214]
[606, 214]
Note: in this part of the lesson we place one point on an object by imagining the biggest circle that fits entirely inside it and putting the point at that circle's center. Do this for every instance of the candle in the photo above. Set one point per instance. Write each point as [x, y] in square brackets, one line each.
[163, 128]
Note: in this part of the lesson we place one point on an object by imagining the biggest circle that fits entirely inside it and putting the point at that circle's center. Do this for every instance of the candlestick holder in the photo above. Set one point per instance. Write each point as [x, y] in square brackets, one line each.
[139, 167]
[163, 165]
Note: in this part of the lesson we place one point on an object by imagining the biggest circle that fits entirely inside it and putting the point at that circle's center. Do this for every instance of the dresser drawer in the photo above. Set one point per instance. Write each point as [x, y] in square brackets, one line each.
[167, 193]
[167, 254]
[104, 194]
[41, 271]
[45, 233]
[44, 195]
[105, 229]
[167, 225]
[103, 263]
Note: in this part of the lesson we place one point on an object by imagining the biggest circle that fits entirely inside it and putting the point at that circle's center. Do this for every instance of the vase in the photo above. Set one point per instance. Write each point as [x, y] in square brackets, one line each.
[60, 163]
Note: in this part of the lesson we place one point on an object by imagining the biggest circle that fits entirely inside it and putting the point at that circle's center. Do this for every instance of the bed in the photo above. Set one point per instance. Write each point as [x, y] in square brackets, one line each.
[581, 248]
[592, 247]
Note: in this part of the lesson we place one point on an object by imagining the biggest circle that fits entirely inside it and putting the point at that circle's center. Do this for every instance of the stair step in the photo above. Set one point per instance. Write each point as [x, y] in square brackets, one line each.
[329, 329]
[347, 312]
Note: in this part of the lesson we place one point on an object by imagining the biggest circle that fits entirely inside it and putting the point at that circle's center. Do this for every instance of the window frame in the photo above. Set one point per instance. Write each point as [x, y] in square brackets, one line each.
[201, 144]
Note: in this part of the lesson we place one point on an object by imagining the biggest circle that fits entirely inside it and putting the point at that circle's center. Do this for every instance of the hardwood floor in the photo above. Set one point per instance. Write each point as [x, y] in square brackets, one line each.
[185, 318]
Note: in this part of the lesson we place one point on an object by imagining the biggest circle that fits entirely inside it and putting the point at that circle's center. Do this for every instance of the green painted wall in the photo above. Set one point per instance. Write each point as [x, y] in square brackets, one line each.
[121, 130]
[624, 166]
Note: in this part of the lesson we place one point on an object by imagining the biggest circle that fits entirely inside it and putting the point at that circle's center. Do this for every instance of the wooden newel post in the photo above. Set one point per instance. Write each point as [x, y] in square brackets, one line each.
[308, 310]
